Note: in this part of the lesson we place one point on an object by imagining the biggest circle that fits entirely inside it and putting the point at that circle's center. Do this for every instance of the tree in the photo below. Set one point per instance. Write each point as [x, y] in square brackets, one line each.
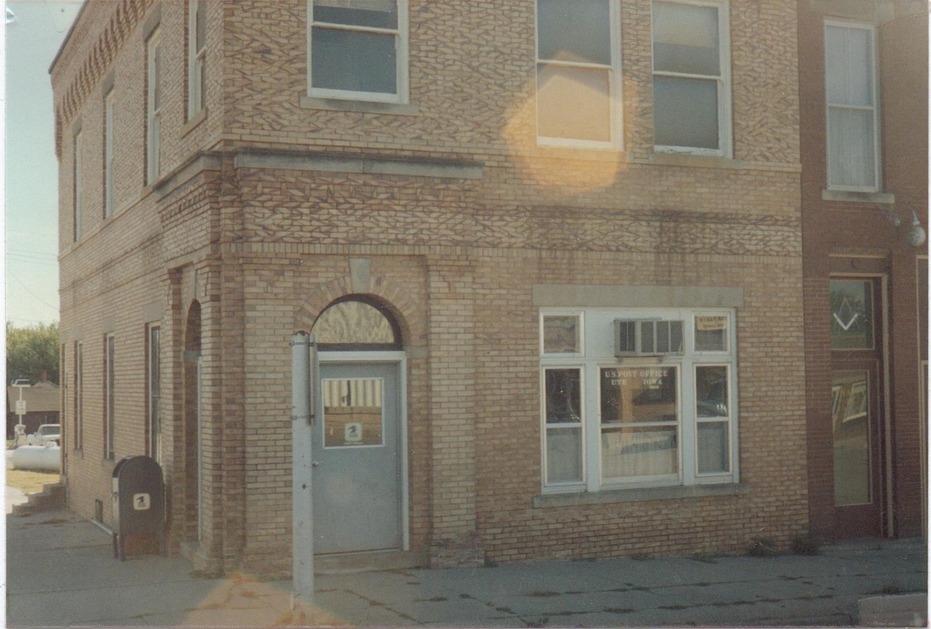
[31, 351]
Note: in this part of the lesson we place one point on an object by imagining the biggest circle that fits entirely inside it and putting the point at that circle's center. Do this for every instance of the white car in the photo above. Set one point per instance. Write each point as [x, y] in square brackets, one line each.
[44, 435]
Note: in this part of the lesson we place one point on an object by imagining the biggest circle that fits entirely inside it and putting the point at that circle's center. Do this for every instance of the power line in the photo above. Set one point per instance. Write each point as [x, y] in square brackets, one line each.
[26, 288]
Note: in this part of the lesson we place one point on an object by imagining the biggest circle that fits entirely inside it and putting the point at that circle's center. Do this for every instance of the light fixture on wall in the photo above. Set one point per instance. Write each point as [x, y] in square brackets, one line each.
[916, 234]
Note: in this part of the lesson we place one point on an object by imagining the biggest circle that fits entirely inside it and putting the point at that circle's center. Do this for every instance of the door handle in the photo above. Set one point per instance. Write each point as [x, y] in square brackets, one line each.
[315, 464]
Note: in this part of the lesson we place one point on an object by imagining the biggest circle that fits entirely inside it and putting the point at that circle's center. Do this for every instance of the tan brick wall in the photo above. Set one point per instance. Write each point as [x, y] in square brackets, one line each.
[454, 251]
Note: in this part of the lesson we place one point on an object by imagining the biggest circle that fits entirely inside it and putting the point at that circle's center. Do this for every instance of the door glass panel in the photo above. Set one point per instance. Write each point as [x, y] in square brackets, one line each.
[851, 419]
[851, 314]
[352, 412]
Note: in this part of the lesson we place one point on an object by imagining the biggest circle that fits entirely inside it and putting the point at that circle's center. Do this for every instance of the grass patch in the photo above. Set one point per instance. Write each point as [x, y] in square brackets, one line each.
[30, 482]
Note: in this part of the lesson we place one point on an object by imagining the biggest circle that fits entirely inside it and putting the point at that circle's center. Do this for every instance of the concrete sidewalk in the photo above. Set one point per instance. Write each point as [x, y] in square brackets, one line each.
[61, 572]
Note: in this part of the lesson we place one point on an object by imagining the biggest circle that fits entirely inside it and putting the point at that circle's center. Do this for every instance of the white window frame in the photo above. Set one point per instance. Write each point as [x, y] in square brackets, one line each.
[197, 56]
[615, 92]
[109, 399]
[108, 204]
[828, 106]
[597, 353]
[401, 94]
[153, 108]
[723, 79]
[78, 187]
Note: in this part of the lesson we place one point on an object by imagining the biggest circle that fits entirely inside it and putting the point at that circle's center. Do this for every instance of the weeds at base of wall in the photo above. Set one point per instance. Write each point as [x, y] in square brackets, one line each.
[801, 545]
[805, 545]
[762, 547]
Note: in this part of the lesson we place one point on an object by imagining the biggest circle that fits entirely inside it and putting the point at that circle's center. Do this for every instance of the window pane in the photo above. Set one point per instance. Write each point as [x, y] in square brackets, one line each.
[563, 455]
[200, 25]
[563, 396]
[711, 391]
[368, 13]
[641, 451]
[711, 333]
[848, 66]
[354, 61]
[574, 103]
[353, 323]
[352, 413]
[851, 420]
[685, 112]
[851, 314]
[639, 394]
[713, 447]
[569, 30]
[561, 334]
[686, 39]
[852, 148]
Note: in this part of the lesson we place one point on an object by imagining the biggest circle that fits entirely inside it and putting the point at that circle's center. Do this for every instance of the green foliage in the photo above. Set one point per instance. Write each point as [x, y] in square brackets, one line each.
[30, 351]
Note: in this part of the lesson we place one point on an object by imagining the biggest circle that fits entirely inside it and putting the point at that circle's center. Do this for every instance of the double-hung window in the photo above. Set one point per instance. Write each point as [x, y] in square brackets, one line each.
[635, 398]
[108, 154]
[77, 173]
[691, 77]
[109, 395]
[358, 50]
[78, 396]
[153, 108]
[578, 73]
[153, 391]
[850, 91]
[197, 55]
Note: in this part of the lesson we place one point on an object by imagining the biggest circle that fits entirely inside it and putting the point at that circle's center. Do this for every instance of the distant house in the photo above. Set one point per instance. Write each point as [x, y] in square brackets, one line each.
[43, 406]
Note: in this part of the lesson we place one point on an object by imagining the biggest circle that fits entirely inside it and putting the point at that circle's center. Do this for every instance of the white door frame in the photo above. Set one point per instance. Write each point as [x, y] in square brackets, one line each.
[398, 358]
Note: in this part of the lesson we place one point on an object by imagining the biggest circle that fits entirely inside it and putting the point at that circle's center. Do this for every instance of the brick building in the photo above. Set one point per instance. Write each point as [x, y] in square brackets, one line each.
[864, 122]
[551, 252]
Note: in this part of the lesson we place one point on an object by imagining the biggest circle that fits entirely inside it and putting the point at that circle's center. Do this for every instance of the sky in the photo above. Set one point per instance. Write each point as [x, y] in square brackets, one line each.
[30, 166]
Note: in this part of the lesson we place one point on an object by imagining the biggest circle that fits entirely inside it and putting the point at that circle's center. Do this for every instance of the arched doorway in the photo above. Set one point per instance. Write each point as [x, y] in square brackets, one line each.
[359, 462]
[192, 425]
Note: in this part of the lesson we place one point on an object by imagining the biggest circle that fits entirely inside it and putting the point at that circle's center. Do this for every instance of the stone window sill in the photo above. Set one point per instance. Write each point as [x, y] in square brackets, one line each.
[369, 107]
[638, 495]
[883, 198]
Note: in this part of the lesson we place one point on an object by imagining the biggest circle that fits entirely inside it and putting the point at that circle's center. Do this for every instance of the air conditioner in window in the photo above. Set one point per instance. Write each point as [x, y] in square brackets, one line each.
[647, 337]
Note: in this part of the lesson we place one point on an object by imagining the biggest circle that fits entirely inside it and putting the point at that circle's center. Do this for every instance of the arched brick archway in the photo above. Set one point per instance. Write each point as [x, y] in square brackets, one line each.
[389, 294]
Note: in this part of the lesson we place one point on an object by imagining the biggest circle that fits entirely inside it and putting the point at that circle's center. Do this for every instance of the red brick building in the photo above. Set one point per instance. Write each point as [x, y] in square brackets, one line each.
[551, 252]
[864, 123]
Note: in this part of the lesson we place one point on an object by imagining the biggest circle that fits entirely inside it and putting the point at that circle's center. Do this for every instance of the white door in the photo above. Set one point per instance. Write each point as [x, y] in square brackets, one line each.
[357, 478]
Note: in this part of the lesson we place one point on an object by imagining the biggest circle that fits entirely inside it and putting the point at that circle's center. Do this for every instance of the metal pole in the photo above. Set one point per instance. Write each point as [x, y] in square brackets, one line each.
[302, 346]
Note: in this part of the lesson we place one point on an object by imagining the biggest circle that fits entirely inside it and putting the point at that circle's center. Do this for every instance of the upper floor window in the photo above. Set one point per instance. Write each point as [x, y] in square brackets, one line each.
[850, 91]
[197, 54]
[108, 154]
[691, 82]
[153, 108]
[77, 173]
[358, 50]
[578, 73]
